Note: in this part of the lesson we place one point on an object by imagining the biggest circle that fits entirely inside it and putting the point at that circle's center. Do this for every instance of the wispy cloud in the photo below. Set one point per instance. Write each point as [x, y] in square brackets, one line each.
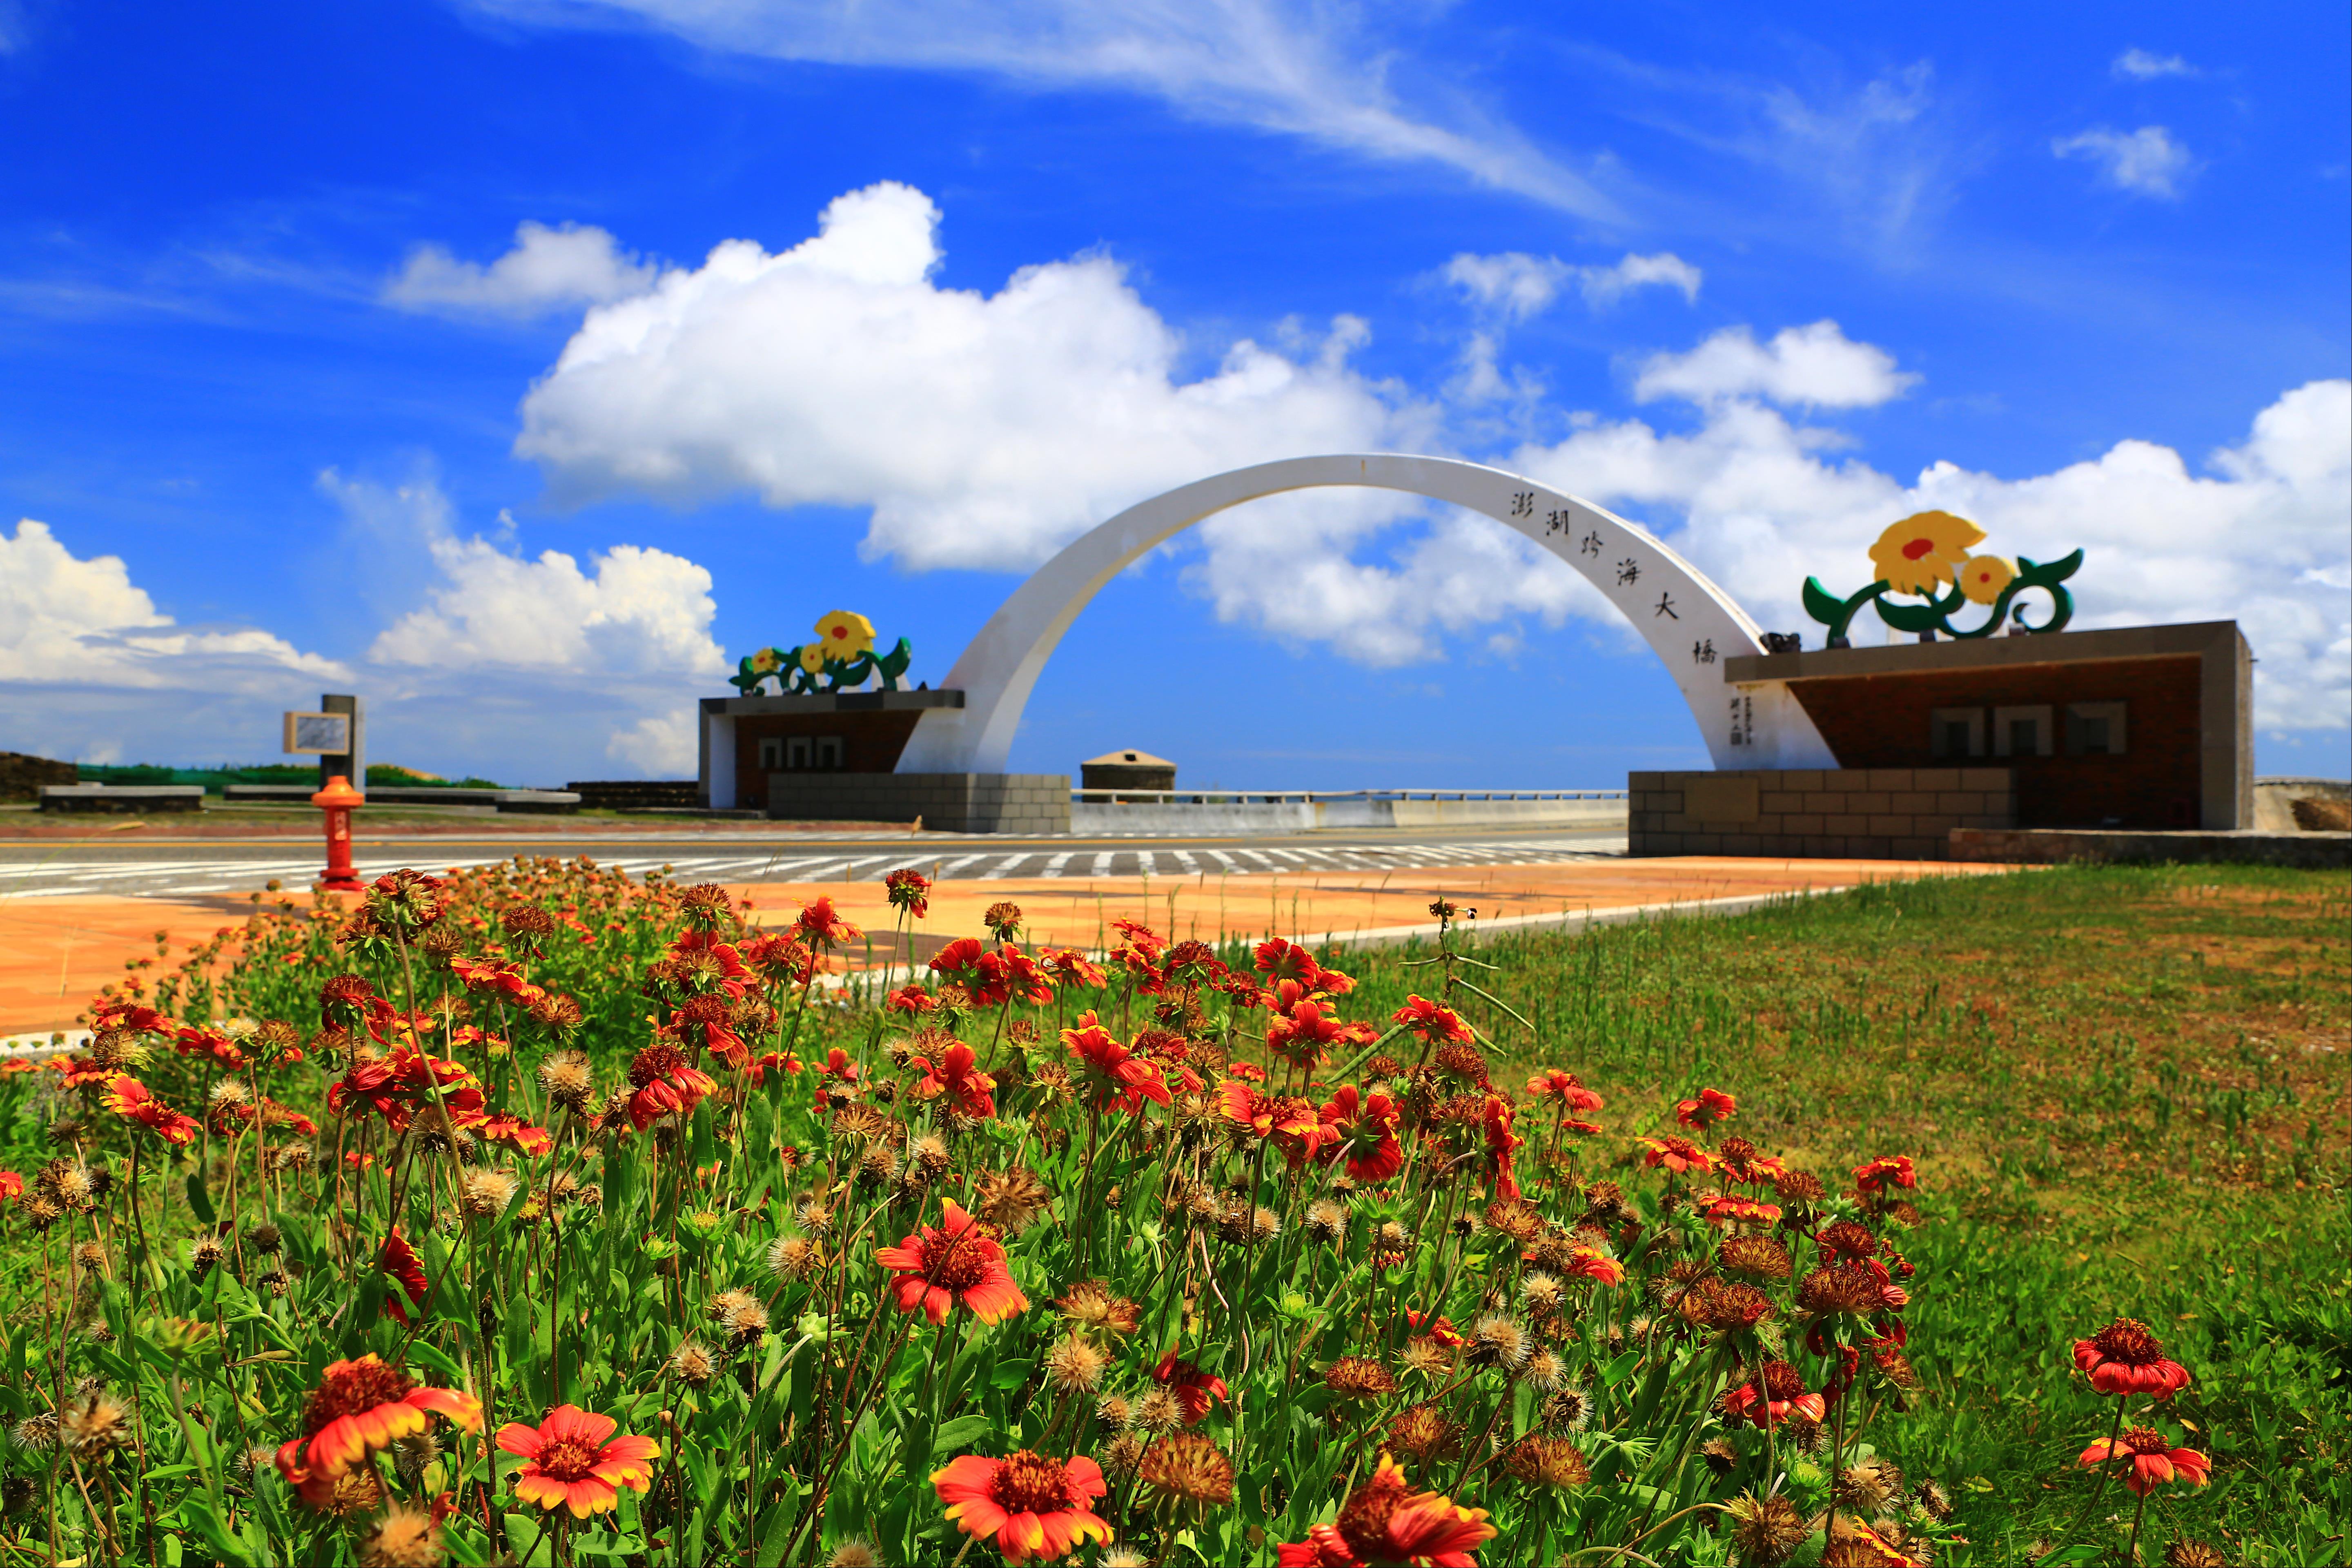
[1323, 73]
[2139, 65]
[1516, 285]
[2147, 162]
[547, 269]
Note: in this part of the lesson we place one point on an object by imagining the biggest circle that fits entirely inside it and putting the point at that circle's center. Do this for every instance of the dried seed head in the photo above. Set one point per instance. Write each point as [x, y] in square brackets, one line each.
[292, 1158]
[276, 1281]
[1719, 1455]
[1358, 1377]
[1569, 1410]
[1424, 1357]
[41, 1213]
[1867, 1484]
[227, 1095]
[1933, 1499]
[793, 1257]
[1546, 1461]
[265, 1238]
[1542, 1293]
[1545, 1371]
[1754, 1257]
[742, 1315]
[1012, 1200]
[1265, 1225]
[1326, 1220]
[930, 1154]
[94, 1425]
[1074, 1366]
[854, 1552]
[485, 1194]
[1125, 1452]
[355, 1493]
[1158, 1411]
[1094, 1307]
[414, 1455]
[1188, 1471]
[1500, 1341]
[1766, 1531]
[692, 1363]
[567, 1080]
[814, 1213]
[403, 1537]
[35, 1434]
[878, 1166]
[91, 1256]
[2188, 1553]
[1114, 1411]
[1423, 1433]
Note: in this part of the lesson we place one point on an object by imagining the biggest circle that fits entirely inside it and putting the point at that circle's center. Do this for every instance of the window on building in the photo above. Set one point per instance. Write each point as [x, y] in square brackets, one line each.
[2095, 728]
[772, 754]
[2021, 731]
[1957, 733]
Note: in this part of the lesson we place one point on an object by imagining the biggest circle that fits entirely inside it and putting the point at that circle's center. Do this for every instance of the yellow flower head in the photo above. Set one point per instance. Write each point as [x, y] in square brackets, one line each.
[812, 658]
[843, 635]
[1924, 550]
[766, 660]
[1982, 577]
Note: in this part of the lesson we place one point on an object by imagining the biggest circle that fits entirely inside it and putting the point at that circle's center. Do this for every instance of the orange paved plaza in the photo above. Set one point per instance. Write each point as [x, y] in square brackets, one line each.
[55, 952]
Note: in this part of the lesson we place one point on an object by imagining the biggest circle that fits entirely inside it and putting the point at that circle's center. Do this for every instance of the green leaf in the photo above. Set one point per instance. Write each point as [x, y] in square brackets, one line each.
[439, 1360]
[1614, 1372]
[200, 1198]
[961, 1432]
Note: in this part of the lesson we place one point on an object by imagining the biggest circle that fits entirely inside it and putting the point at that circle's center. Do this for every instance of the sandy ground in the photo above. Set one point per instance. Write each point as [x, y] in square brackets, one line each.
[55, 952]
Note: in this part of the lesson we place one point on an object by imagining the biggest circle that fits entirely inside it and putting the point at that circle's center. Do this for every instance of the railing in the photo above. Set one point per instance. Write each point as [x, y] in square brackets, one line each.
[1106, 796]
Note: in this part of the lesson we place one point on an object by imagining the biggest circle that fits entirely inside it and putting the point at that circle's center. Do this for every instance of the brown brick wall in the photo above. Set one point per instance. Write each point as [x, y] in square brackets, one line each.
[1883, 721]
[871, 743]
[1865, 814]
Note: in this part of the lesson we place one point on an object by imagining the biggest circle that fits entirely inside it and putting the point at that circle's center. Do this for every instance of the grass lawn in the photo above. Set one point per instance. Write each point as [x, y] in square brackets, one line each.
[2126, 1090]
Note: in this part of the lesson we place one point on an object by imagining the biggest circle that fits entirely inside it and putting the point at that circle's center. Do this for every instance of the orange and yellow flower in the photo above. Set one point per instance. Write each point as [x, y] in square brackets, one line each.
[2125, 1358]
[359, 1408]
[1923, 550]
[2154, 1459]
[575, 1462]
[129, 1099]
[1033, 1507]
[1385, 1521]
[957, 1263]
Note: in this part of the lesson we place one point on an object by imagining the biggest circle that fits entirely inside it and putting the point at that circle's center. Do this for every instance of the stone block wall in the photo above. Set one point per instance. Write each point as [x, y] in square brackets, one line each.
[948, 803]
[1872, 813]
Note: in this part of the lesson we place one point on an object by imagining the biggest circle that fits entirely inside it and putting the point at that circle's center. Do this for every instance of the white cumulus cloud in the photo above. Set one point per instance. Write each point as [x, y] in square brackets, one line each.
[2259, 537]
[1817, 366]
[547, 269]
[2147, 162]
[1516, 285]
[2141, 65]
[983, 429]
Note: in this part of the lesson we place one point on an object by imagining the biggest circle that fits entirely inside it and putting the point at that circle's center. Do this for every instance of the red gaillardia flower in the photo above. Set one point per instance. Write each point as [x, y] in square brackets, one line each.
[1553, 1084]
[958, 1077]
[909, 890]
[1366, 1128]
[955, 1264]
[1711, 1106]
[2154, 1459]
[1385, 1521]
[128, 1097]
[1280, 960]
[663, 1081]
[1676, 1154]
[1436, 1024]
[1195, 1391]
[513, 1133]
[1782, 1391]
[1886, 1170]
[909, 999]
[394, 1086]
[575, 1462]
[1068, 966]
[400, 1261]
[1034, 1508]
[2125, 1358]
[822, 925]
[1592, 1263]
[359, 1407]
[1115, 1075]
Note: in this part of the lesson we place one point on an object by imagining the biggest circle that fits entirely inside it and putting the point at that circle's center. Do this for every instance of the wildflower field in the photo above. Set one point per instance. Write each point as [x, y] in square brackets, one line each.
[536, 1214]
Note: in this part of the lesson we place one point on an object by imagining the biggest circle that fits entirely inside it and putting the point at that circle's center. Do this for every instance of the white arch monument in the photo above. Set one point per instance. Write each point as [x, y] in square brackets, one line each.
[1689, 622]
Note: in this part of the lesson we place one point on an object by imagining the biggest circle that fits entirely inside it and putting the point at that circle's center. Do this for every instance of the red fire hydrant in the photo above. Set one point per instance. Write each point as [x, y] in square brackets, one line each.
[339, 800]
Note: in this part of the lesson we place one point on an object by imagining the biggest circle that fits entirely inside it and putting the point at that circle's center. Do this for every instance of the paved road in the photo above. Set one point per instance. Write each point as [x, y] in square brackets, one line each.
[212, 867]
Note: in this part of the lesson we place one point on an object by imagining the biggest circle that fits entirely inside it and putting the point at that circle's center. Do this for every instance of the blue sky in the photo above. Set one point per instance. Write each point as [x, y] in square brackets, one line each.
[292, 401]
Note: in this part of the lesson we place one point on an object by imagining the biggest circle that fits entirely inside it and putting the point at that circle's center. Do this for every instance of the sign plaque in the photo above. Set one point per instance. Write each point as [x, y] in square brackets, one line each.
[318, 734]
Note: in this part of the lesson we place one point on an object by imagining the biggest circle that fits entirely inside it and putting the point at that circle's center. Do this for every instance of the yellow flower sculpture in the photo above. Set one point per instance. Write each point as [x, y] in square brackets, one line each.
[812, 658]
[1923, 550]
[766, 661]
[843, 635]
[1982, 577]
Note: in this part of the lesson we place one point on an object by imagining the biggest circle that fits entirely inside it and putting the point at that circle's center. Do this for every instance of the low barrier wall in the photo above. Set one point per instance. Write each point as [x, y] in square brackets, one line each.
[1306, 815]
